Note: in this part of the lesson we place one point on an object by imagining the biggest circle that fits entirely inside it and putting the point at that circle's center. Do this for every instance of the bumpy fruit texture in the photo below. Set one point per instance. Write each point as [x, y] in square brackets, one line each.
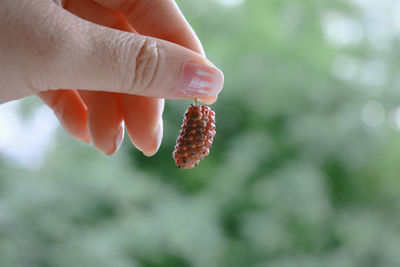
[196, 136]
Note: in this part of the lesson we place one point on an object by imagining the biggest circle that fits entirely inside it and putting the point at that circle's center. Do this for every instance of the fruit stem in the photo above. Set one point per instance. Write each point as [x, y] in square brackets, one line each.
[196, 101]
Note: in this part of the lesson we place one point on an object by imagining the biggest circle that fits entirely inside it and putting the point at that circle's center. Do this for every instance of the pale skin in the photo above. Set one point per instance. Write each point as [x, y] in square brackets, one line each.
[101, 65]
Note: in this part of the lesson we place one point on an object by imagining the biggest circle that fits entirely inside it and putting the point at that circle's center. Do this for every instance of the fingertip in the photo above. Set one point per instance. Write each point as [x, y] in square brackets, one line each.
[119, 137]
[143, 120]
[70, 110]
[105, 122]
[153, 147]
[85, 137]
[209, 100]
[149, 154]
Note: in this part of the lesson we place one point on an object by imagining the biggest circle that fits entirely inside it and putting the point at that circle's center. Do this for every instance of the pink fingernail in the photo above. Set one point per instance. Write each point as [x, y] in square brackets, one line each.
[157, 143]
[117, 141]
[119, 138]
[200, 80]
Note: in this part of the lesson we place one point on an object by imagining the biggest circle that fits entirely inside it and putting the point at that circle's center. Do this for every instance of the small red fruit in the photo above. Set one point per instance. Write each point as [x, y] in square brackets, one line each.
[196, 136]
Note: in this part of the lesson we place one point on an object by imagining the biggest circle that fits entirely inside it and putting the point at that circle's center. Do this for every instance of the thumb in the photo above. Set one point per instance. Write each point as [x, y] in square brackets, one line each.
[103, 59]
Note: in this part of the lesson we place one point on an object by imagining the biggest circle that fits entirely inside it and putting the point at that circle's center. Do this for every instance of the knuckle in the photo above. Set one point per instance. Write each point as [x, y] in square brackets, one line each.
[128, 61]
[147, 61]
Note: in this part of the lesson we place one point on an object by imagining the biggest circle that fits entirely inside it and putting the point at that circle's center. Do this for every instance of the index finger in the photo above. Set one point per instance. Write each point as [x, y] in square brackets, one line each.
[157, 18]
[161, 19]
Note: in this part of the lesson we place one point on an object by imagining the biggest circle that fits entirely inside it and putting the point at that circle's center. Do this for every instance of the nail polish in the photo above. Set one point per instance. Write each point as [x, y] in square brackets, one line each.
[200, 80]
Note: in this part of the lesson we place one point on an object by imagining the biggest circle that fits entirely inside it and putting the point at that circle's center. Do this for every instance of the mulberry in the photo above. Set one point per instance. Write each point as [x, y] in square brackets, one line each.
[196, 136]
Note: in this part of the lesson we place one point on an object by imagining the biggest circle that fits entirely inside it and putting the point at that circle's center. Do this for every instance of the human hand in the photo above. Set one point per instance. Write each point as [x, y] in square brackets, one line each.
[112, 71]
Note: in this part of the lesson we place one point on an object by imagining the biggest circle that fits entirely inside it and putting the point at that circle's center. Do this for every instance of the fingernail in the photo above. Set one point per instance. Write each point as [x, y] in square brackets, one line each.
[209, 100]
[117, 141]
[119, 138]
[86, 137]
[200, 80]
[157, 141]
[148, 154]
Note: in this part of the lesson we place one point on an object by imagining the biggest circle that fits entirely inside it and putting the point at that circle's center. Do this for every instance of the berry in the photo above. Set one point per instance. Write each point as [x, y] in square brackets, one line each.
[196, 136]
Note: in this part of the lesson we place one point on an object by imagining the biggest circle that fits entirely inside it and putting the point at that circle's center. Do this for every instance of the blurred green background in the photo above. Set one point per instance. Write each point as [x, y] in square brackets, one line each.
[304, 171]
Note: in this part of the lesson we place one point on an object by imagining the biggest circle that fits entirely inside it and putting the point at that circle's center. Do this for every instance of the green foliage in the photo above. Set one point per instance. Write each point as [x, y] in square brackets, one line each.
[295, 178]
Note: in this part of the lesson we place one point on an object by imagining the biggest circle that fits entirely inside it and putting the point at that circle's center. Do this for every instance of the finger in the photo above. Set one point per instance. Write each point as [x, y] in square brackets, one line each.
[96, 13]
[99, 58]
[142, 116]
[105, 120]
[209, 100]
[106, 132]
[149, 18]
[86, 96]
[70, 111]
[143, 120]
[157, 18]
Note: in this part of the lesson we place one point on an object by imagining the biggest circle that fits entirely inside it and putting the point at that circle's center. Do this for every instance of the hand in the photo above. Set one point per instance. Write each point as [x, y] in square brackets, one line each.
[111, 71]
